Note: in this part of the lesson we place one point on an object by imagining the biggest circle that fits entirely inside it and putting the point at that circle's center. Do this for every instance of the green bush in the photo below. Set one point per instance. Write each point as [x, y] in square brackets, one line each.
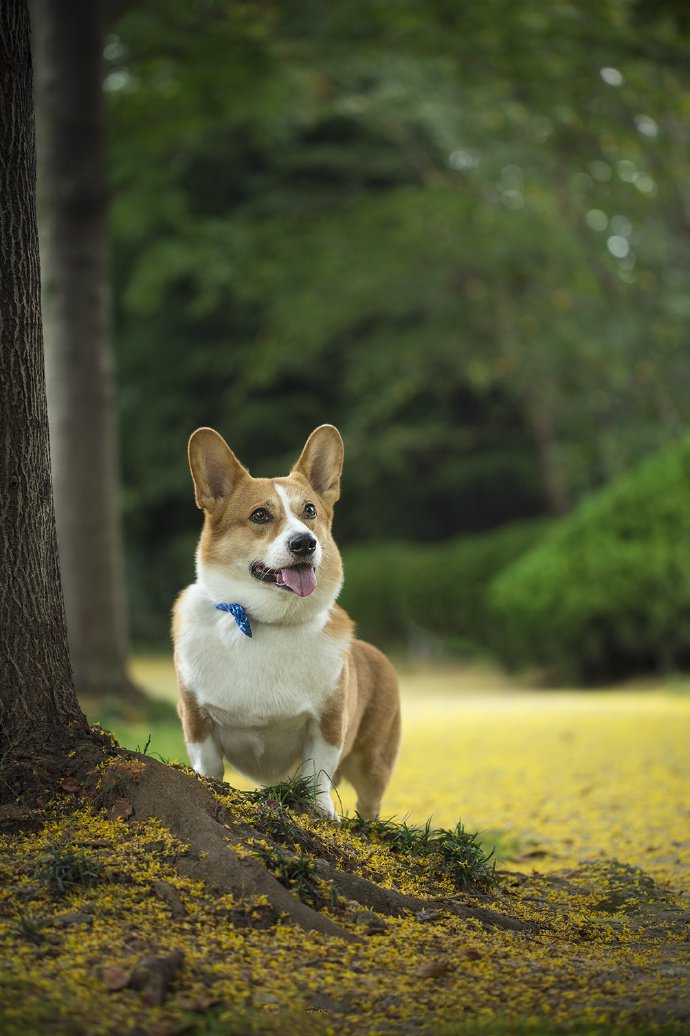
[607, 593]
[397, 591]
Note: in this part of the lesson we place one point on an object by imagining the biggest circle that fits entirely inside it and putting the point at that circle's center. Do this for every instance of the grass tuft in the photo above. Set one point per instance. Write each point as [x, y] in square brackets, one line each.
[62, 869]
[298, 792]
[27, 927]
[454, 852]
[297, 873]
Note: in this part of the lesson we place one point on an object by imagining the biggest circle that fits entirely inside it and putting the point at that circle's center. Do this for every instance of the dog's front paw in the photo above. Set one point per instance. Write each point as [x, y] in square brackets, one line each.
[325, 807]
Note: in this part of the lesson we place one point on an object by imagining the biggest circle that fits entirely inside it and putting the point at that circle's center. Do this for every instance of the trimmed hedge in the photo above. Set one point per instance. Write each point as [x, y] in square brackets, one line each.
[398, 592]
[607, 593]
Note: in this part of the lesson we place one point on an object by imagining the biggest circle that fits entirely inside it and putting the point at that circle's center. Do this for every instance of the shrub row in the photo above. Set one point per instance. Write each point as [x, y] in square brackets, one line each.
[399, 592]
[607, 591]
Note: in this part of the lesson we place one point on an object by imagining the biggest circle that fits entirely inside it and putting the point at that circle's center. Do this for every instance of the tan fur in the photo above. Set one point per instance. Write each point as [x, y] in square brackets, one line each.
[196, 724]
[358, 723]
[363, 719]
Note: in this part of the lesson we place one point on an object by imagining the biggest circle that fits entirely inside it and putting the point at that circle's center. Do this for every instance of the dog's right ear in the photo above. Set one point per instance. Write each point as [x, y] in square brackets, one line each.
[215, 468]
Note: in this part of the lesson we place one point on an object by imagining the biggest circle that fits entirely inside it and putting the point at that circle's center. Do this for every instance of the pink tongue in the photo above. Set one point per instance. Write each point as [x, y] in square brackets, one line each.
[302, 579]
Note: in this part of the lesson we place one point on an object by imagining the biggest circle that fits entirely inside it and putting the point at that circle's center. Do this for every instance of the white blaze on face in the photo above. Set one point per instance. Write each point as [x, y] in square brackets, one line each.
[278, 555]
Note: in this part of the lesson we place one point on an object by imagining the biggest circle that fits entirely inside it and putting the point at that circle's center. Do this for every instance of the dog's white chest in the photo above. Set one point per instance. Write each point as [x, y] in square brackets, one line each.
[261, 692]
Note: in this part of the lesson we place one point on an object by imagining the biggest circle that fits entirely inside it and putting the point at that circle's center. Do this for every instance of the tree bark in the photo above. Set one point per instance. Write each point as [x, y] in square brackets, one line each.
[73, 214]
[539, 412]
[36, 693]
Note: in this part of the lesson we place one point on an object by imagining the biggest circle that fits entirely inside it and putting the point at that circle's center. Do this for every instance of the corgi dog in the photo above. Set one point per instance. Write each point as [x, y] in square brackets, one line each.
[270, 675]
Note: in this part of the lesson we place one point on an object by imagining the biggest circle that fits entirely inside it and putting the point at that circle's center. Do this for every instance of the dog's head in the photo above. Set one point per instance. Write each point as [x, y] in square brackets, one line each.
[267, 542]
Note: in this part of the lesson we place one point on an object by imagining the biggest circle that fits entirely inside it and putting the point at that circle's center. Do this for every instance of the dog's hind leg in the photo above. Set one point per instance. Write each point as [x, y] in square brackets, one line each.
[369, 768]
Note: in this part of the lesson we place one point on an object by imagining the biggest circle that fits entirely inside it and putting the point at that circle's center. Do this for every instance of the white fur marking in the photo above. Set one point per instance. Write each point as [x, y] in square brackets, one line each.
[321, 762]
[293, 520]
[278, 554]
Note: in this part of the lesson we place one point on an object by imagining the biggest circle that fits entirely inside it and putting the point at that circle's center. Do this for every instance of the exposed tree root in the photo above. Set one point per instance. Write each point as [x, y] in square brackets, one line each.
[189, 810]
[397, 904]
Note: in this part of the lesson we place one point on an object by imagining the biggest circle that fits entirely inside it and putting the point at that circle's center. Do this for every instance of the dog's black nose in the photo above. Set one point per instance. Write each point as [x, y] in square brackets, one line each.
[303, 545]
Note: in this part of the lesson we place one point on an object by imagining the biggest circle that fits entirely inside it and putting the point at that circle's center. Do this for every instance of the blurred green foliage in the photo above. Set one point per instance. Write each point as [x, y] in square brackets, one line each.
[431, 597]
[607, 593]
[458, 231]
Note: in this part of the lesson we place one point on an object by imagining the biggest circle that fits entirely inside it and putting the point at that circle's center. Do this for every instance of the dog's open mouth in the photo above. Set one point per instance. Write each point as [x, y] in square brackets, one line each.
[299, 579]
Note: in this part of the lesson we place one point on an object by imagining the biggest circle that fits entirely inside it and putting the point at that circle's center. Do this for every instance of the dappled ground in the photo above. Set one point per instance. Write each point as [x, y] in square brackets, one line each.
[132, 944]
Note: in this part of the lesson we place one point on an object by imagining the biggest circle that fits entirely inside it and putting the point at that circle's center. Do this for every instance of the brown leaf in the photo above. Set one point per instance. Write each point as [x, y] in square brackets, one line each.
[434, 969]
[115, 977]
[121, 809]
[154, 974]
[70, 784]
[428, 915]
[197, 1003]
[169, 894]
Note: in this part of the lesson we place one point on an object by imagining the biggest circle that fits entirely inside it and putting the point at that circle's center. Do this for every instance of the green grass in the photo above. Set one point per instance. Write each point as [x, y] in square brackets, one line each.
[63, 868]
[297, 792]
[154, 731]
[297, 873]
[460, 855]
[29, 928]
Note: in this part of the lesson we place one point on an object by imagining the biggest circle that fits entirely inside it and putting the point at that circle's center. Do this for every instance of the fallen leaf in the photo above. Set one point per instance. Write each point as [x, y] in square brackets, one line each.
[115, 977]
[434, 969]
[121, 809]
[198, 1003]
[428, 915]
[154, 974]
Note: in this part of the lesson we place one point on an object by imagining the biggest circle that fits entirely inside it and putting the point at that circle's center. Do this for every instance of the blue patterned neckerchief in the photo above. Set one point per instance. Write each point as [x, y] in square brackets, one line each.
[239, 615]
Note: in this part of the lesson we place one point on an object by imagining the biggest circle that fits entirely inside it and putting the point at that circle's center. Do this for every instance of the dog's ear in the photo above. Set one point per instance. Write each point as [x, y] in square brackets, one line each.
[215, 468]
[321, 462]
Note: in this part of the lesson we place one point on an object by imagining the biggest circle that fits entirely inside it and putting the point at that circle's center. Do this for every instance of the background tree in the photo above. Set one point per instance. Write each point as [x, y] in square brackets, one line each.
[459, 233]
[73, 223]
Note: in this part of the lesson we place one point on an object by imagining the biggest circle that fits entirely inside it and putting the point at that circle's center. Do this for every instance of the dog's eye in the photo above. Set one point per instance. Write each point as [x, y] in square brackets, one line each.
[261, 516]
[309, 511]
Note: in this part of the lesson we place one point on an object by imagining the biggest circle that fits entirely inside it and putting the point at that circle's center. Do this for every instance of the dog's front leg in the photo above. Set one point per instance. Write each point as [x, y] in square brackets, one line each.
[321, 762]
[206, 758]
[202, 747]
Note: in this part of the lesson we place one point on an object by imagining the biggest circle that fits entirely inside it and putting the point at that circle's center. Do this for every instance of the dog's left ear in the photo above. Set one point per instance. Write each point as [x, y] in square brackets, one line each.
[321, 462]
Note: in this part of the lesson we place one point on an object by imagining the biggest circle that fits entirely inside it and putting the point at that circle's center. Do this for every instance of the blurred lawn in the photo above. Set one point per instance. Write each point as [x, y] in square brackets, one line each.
[560, 775]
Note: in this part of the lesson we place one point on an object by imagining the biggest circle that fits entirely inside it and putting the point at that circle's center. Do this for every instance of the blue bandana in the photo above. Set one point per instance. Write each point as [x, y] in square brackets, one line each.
[239, 615]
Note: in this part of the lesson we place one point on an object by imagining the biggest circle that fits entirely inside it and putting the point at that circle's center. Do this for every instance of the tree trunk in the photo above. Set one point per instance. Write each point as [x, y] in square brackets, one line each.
[36, 695]
[73, 212]
[540, 416]
[538, 412]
